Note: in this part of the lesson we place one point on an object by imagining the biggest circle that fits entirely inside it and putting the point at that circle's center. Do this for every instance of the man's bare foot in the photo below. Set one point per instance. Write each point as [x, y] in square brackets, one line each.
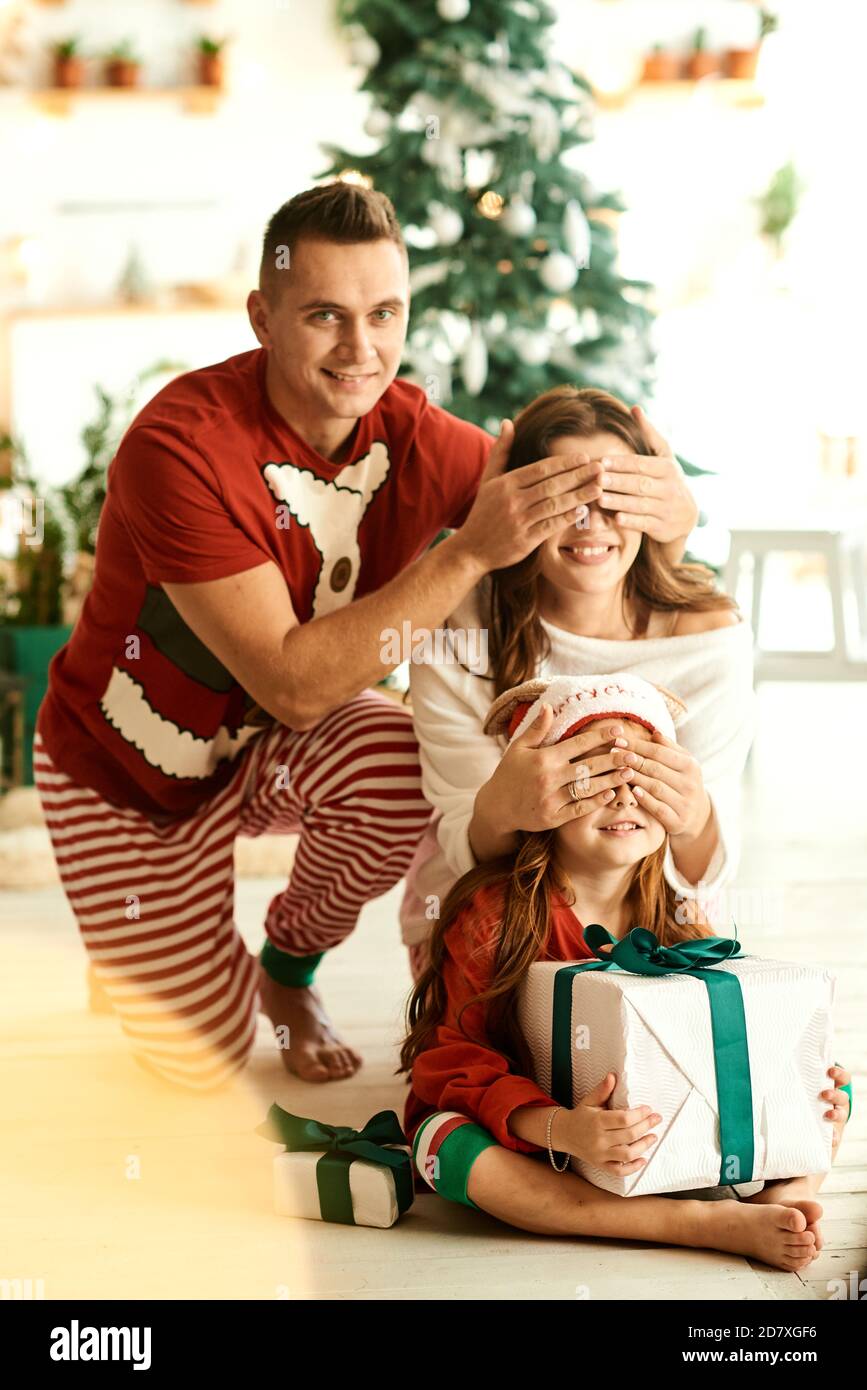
[308, 1045]
[798, 1192]
[775, 1233]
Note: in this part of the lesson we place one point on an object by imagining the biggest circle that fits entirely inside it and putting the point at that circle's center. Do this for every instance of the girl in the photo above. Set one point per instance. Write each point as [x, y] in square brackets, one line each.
[483, 1132]
[598, 596]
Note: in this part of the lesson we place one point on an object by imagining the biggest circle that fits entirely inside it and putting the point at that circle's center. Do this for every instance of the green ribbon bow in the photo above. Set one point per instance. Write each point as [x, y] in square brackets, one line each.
[640, 953]
[342, 1147]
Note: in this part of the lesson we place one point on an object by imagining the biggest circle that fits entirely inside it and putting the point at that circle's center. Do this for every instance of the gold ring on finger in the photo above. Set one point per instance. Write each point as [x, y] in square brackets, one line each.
[574, 791]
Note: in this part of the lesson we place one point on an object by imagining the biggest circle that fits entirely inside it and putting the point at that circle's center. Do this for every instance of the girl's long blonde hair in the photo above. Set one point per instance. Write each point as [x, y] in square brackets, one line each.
[528, 882]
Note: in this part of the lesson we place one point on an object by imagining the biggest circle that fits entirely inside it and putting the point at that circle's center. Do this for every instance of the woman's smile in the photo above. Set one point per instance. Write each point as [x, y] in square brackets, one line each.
[589, 552]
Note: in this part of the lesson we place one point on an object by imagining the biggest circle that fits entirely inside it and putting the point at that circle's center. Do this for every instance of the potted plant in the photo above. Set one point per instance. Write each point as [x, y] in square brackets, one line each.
[68, 63]
[742, 62]
[32, 623]
[46, 582]
[778, 206]
[122, 65]
[660, 65]
[210, 55]
[700, 63]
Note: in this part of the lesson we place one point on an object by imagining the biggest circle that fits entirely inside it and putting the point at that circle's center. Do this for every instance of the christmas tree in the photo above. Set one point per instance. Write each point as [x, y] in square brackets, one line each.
[515, 286]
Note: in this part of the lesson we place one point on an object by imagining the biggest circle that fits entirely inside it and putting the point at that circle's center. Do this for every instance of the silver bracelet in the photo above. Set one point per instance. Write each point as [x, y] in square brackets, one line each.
[548, 1137]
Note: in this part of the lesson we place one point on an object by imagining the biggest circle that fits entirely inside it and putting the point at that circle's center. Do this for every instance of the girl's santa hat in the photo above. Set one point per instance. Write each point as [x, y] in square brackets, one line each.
[578, 700]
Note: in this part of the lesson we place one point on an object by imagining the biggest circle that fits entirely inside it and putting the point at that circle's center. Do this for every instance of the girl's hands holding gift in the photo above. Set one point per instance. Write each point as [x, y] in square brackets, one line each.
[613, 1140]
[839, 1101]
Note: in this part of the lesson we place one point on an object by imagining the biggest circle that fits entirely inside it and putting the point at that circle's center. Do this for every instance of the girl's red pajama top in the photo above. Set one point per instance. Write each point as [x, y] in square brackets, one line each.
[467, 1073]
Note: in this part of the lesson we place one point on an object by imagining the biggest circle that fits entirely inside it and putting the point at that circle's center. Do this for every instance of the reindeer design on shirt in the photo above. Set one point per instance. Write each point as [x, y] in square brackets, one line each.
[333, 512]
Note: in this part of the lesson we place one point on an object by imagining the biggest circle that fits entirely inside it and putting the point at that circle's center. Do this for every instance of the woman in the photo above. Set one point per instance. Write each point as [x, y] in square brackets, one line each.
[596, 597]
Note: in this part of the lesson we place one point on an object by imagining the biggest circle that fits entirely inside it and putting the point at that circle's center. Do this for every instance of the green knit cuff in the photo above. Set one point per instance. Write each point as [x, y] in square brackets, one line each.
[848, 1089]
[297, 971]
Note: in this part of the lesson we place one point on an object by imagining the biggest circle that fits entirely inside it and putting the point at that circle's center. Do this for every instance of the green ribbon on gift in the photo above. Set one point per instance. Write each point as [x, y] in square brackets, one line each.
[342, 1146]
[639, 953]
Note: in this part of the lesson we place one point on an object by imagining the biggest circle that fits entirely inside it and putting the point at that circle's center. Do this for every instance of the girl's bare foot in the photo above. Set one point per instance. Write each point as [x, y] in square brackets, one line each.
[308, 1045]
[795, 1192]
[775, 1233]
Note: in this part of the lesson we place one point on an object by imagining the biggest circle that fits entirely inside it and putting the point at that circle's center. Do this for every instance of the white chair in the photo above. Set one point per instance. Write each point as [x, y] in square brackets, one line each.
[844, 546]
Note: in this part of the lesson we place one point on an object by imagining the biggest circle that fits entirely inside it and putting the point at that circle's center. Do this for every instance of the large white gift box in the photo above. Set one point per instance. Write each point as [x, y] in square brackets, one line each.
[654, 1032]
[374, 1199]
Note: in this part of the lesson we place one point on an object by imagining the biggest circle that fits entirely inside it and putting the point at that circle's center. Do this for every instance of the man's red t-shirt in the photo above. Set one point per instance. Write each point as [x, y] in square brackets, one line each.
[209, 481]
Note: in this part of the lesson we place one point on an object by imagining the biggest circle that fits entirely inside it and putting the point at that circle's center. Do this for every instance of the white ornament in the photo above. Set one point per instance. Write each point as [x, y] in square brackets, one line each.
[377, 123]
[545, 130]
[518, 218]
[445, 157]
[364, 51]
[497, 324]
[534, 348]
[453, 10]
[576, 233]
[480, 167]
[474, 362]
[558, 272]
[446, 224]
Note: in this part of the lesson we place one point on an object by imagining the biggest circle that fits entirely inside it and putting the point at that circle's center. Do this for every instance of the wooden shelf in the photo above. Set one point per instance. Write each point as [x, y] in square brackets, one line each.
[60, 101]
[730, 91]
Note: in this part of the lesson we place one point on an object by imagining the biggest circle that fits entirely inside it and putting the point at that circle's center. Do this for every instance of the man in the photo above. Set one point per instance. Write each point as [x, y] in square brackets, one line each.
[267, 520]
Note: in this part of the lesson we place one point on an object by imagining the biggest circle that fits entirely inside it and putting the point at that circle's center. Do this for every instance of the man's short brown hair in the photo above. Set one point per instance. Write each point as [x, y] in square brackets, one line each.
[341, 212]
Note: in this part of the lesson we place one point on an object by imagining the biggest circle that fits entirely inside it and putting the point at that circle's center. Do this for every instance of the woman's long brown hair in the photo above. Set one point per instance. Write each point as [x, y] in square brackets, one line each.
[517, 640]
[528, 882]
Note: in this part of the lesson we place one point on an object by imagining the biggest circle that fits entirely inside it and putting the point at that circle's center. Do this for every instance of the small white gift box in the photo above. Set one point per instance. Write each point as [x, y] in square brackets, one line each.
[655, 1033]
[335, 1173]
[296, 1193]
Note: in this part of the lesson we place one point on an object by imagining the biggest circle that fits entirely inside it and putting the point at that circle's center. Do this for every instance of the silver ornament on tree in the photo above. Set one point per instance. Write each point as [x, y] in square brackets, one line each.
[576, 233]
[558, 272]
[446, 224]
[474, 362]
[480, 167]
[377, 123]
[534, 348]
[453, 10]
[518, 218]
[364, 51]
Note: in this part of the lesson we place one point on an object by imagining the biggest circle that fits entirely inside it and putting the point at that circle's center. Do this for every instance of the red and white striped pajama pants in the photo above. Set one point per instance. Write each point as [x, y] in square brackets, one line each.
[155, 903]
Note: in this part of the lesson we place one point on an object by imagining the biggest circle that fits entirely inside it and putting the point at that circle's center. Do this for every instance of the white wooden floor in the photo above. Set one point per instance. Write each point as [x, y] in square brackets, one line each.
[116, 1186]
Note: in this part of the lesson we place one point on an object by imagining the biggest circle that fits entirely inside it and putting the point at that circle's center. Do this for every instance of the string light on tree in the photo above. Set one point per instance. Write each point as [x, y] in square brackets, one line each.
[355, 176]
[490, 204]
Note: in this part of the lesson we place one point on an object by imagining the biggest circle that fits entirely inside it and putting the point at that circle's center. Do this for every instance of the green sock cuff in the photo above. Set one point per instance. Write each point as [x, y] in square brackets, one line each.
[297, 971]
